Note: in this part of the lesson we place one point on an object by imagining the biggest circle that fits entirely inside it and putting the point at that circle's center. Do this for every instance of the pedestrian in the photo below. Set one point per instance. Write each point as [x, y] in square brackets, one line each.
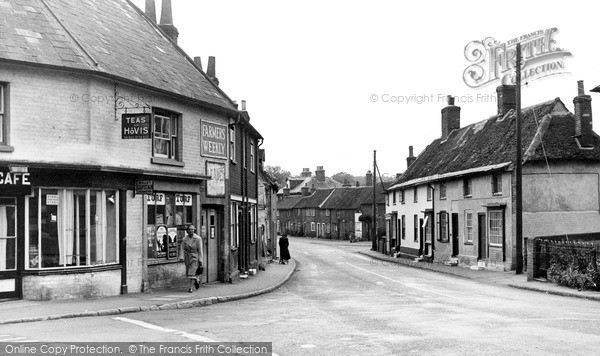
[284, 252]
[191, 247]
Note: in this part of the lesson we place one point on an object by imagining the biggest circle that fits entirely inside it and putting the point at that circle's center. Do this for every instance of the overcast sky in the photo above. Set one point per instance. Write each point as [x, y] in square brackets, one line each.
[316, 74]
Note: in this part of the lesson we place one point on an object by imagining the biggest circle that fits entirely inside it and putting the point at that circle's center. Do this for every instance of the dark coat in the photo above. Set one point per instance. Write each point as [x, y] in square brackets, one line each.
[284, 253]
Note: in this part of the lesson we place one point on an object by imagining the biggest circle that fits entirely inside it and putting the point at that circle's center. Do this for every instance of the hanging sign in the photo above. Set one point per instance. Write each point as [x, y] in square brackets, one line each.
[135, 126]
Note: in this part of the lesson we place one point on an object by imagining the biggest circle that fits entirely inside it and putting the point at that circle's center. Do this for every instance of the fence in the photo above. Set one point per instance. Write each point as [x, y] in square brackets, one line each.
[565, 262]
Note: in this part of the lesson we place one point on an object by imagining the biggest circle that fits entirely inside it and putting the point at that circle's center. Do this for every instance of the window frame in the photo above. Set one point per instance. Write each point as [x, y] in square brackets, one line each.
[467, 187]
[497, 184]
[492, 229]
[175, 140]
[429, 193]
[443, 190]
[252, 157]
[403, 226]
[444, 226]
[402, 196]
[415, 194]
[5, 118]
[232, 144]
[469, 228]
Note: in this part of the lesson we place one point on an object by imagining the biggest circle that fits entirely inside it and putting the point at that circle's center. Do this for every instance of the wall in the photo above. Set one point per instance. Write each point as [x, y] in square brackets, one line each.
[70, 286]
[409, 208]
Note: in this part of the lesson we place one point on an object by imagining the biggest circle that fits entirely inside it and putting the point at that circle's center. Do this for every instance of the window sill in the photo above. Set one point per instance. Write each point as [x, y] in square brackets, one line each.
[71, 270]
[469, 243]
[497, 194]
[467, 196]
[6, 148]
[444, 198]
[167, 162]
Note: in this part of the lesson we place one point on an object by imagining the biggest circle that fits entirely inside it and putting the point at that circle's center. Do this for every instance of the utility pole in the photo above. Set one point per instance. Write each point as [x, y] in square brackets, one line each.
[519, 187]
[374, 222]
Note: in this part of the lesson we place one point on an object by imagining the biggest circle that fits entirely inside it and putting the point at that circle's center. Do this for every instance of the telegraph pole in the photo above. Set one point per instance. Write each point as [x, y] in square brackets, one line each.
[374, 222]
[519, 187]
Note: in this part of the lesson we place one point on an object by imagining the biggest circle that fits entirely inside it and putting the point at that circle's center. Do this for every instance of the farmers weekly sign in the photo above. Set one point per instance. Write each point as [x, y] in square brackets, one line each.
[214, 140]
[494, 62]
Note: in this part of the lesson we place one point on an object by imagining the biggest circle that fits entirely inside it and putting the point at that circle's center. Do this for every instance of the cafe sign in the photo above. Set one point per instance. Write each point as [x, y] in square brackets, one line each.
[213, 138]
[135, 126]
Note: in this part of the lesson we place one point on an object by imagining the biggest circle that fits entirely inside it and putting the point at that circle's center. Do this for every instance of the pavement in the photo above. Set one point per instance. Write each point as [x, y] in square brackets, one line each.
[509, 279]
[22, 311]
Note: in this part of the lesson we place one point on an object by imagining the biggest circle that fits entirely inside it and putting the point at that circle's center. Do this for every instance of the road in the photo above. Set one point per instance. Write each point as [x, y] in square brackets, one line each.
[343, 303]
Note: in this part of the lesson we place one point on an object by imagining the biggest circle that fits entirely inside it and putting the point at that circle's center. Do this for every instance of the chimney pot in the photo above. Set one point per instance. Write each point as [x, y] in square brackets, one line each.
[198, 62]
[243, 105]
[411, 158]
[210, 70]
[580, 88]
[320, 173]
[583, 111]
[166, 21]
[507, 98]
[450, 100]
[151, 10]
[369, 179]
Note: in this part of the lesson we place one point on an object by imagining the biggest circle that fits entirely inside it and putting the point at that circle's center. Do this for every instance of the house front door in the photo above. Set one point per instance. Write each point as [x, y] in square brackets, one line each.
[212, 220]
[482, 242]
[10, 282]
[454, 235]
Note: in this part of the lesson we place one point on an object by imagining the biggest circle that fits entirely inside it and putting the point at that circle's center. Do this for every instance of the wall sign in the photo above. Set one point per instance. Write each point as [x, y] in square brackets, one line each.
[135, 126]
[144, 187]
[213, 140]
[12, 178]
[215, 186]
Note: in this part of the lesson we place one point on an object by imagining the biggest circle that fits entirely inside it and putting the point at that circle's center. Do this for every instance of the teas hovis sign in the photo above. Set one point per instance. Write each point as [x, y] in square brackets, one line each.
[494, 62]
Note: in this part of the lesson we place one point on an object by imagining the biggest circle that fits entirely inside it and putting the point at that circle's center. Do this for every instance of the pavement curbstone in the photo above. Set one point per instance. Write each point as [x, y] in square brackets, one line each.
[129, 310]
[108, 312]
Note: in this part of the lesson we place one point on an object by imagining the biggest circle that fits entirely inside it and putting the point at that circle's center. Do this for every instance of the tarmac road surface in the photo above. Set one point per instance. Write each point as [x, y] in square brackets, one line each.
[343, 303]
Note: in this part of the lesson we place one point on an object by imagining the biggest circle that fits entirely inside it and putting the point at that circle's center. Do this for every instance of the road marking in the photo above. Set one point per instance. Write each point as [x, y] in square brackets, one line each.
[410, 285]
[171, 331]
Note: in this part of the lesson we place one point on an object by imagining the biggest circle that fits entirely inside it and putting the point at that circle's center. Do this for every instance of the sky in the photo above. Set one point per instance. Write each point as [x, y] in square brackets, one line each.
[327, 83]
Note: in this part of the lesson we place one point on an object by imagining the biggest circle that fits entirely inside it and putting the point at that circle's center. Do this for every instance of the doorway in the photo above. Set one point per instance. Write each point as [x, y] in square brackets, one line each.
[212, 232]
[454, 235]
[10, 281]
[482, 237]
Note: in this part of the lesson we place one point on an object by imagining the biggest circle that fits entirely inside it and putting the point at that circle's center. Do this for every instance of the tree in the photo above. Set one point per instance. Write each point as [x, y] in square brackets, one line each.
[343, 176]
[279, 174]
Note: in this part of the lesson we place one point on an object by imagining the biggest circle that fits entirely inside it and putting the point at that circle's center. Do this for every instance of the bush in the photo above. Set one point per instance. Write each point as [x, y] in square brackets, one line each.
[571, 267]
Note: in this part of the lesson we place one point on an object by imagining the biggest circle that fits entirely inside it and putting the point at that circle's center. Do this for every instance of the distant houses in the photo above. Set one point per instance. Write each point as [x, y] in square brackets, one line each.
[455, 202]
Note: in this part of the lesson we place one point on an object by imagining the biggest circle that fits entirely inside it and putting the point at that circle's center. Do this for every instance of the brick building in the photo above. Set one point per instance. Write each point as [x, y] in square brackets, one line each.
[295, 185]
[112, 141]
[456, 200]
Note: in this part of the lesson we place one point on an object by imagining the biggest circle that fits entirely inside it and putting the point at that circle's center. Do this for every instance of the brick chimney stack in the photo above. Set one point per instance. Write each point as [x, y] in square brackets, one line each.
[151, 10]
[320, 173]
[369, 179]
[507, 98]
[411, 158]
[166, 21]
[198, 62]
[305, 190]
[583, 111]
[306, 173]
[210, 70]
[450, 117]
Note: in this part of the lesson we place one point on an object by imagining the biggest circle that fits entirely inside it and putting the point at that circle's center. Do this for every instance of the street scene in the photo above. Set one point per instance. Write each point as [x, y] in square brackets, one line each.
[352, 178]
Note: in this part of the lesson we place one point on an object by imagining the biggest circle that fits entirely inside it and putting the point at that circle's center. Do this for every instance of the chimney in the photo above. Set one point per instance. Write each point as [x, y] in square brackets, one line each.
[313, 189]
[286, 192]
[450, 117]
[151, 10]
[243, 105]
[507, 98]
[198, 62]
[320, 173]
[357, 184]
[305, 190]
[210, 70]
[369, 177]
[411, 158]
[306, 173]
[583, 111]
[166, 21]
[346, 183]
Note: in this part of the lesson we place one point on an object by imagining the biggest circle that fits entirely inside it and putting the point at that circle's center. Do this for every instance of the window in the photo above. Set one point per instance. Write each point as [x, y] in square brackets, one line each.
[429, 193]
[415, 196]
[253, 224]
[327, 212]
[497, 184]
[4, 114]
[467, 187]
[402, 196]
[387, 199]
[166, 135]
[232, 151]
[312, 226]
[416, 228]
[394, 198]
[299, 212]
[252, 162]
[442, 190]
[8, 234]
[167, 215]
[496, 218]
[72, 228]
[235, 226]
[428, 229]
[443, 235]
[403, 227]
[468, 227]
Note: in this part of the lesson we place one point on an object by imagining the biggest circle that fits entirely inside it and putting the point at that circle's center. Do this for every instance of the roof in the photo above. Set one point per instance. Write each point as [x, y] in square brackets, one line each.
[547, 132]
[314, 200]
[352, 198]
[596, 89]
[110, 38]
[296, 184]
[288, 202]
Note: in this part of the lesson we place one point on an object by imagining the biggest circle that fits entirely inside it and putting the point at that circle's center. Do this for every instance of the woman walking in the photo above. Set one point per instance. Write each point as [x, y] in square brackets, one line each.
[192, 252]
[284, 252]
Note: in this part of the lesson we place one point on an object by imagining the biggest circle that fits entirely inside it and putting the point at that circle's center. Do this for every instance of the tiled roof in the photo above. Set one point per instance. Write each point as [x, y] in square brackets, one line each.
[289, 202]
[493, 142]
[350, 198]
[315, 199]
[107, 37]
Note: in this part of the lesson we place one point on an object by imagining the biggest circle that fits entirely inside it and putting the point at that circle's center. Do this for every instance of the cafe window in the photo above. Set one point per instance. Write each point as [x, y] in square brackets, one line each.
[167, 216]
[72, 228]
[167, 135]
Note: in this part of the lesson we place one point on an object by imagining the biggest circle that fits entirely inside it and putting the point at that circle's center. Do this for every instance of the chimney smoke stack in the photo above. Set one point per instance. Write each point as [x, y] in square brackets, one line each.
[166, 21]
[198, 62]
[583, 111]
[151, 10]
[450, 117]
[211, 71]
[411, 158]
[243, 105]
[507, 98]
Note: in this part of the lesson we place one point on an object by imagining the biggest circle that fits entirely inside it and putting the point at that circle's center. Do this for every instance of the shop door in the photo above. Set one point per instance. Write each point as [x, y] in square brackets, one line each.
[482, 237]
[10, 282]
[211, 230]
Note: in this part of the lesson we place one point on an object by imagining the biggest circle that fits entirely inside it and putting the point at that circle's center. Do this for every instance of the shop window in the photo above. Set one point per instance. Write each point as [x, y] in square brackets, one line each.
[167, 136]
[72, 227]
[167, 216]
